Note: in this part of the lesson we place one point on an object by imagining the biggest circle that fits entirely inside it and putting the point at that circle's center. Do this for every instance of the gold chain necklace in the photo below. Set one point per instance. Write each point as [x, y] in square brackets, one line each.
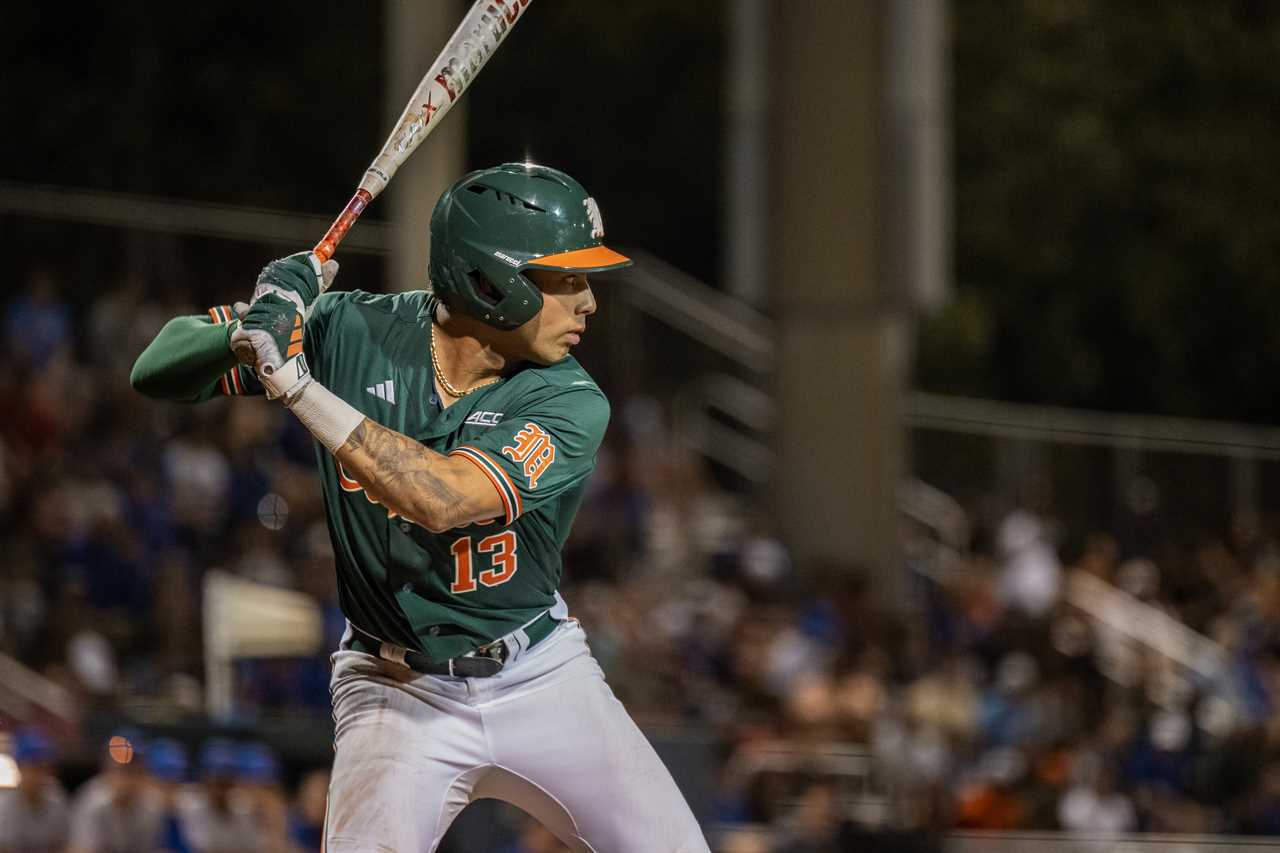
[444, 383]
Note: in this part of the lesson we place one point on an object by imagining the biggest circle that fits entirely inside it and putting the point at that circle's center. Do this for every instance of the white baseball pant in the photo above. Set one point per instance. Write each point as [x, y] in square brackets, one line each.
[545, 734]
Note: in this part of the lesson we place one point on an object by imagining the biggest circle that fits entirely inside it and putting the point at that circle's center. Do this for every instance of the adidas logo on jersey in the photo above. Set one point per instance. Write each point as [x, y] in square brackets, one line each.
[484, 418]
[384, 391]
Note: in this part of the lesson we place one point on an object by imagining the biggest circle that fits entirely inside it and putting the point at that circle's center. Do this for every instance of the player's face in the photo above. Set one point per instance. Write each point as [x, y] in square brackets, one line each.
[567, 302]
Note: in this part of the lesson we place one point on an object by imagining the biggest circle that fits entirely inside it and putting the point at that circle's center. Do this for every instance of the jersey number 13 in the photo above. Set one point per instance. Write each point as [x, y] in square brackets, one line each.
[502, 547]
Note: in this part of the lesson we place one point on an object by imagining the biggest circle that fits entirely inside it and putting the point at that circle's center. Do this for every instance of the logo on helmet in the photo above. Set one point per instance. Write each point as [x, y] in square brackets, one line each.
[593, 213]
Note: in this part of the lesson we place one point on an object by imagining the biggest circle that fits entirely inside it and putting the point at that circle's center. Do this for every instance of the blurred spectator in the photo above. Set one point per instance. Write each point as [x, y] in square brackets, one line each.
[306, 821]
[37, 324]
[1161, 756]
[1017, 709]
[1094, 804]
[119, 810]
[994, 800]
[946, 698]
[814, 823]
[167, 762]
[33, 816]
[213, 819]
[1030, 572]
[121, 323]
[262, 796]
[744, 840]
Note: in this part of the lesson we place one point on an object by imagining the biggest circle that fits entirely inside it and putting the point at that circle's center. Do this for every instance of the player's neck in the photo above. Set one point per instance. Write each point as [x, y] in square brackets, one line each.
[465, 357]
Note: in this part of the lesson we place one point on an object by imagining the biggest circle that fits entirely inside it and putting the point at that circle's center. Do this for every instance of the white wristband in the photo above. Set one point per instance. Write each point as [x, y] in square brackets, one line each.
[329, 417]
[287, 380]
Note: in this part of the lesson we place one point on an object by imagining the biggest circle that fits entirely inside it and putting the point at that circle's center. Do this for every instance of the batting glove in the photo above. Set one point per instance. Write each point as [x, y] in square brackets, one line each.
[300, 278]
[269, 339]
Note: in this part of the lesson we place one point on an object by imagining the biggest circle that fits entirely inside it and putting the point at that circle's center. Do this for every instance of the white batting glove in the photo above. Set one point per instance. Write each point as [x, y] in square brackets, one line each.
[269, 339]
[300, 278]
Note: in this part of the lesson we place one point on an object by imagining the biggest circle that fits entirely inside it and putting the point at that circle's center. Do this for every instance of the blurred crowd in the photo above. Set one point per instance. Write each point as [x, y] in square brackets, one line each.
[148, 796]
[989, 700]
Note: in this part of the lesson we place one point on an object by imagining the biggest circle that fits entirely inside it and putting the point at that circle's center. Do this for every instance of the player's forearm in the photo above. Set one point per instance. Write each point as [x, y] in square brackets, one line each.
[405, 477]
[186, 358]
[434, 491]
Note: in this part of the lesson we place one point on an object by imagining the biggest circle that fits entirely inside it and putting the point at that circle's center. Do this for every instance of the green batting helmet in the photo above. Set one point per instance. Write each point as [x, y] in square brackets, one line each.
[492, 225]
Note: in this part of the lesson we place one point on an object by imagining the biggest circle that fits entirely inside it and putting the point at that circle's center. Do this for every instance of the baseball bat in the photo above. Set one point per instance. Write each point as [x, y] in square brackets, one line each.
[483, 28]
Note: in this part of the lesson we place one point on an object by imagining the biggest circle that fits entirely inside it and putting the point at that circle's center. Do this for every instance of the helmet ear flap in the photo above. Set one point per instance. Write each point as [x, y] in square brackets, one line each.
[484, 289]
[483, 299]
[520, 304]
[525, 299]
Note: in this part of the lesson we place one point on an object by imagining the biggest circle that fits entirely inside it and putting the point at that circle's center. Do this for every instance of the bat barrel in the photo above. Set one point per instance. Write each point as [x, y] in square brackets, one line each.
[482, 29]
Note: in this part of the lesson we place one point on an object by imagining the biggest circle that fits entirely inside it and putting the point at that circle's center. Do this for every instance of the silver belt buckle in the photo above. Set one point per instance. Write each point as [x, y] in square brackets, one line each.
[497, 650]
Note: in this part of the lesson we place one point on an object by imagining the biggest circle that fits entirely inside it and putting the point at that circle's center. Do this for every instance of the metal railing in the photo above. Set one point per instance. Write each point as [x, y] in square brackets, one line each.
[726, 325]
[1058, 842]
[1058, 425]
[174, 216]
[27, 695]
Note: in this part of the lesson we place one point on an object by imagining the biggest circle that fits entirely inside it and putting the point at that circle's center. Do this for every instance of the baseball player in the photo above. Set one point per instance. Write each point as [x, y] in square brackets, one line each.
[455, 435]
[33, 816]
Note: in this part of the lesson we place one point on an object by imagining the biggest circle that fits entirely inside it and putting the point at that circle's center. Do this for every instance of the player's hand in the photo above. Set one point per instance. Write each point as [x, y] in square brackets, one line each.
[265, 329]
[269, 339]
[300, 278]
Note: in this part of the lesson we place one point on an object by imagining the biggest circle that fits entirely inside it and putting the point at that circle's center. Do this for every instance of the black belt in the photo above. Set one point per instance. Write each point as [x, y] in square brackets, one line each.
[483, 662]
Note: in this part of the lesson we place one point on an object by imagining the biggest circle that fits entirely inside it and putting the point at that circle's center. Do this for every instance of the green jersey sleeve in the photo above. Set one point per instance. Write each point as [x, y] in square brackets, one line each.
[191, 360]
[545, 448]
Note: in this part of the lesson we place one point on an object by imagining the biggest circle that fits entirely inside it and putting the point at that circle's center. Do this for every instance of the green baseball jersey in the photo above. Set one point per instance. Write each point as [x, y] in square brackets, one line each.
[533, 435]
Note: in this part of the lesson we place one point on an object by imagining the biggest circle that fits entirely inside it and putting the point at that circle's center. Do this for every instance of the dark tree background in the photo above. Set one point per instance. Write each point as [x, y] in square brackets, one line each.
[270, 104]
[1118, 232]
[280, 105]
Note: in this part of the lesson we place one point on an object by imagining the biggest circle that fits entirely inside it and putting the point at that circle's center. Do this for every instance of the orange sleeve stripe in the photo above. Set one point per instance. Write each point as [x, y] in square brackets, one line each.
[221, 314]
[222, 383]
[235, 380]
[515, 493]
[502, 496]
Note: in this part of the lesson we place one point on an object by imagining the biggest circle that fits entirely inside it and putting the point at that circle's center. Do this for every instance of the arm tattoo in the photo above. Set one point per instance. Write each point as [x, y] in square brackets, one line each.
[401, 474]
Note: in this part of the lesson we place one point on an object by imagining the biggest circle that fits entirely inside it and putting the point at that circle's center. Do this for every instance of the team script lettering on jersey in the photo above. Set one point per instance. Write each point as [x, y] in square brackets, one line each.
[533, 450]
[351, 484]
